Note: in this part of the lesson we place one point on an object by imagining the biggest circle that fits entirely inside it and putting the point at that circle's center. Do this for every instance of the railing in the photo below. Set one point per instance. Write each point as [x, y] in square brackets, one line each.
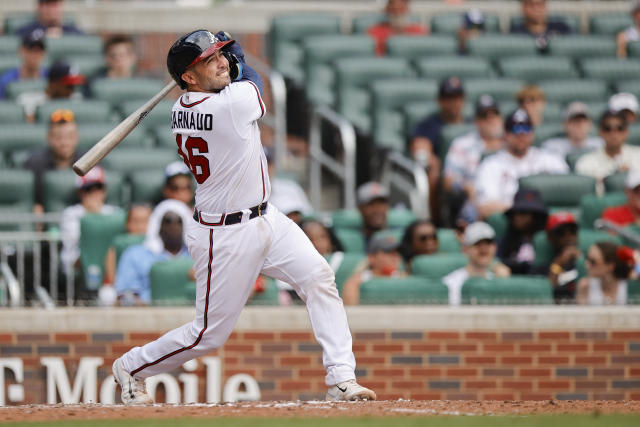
[409, 178]
[343, 170]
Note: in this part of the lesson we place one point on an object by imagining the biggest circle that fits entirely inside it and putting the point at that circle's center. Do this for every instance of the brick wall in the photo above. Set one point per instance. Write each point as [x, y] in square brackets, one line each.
[445, 364]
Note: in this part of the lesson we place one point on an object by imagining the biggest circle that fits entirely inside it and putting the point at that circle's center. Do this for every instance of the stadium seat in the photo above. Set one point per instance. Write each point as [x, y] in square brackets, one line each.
[534, 69]
[498, 221]
[351, 240]
[414, 112]
[96, 233]
[549, 130]
[90, 133]
[268, 296]
[508, 290]
[596, 108]
[497, 46]
[18, 139]
[128, 160]
[447, 241]
[615, 182]
[8, 61]
[560, 191]
[582, 46]
[319, 54]
[122, 241]
[85, 111]
[87, 65]
[610, 23]
[502, 89]
[351, 218]
[60, 189]
[10, 112]
[72, 45]
[586, 237]
[118, 91]
[633, 291]
[170, 282]
[437, 266]
[568, 90]
[9, 44]
[634, 135]
[347, 266]
[403, 290]
[592, 206]
[449, 23]
[15, 20]
[146, 185]
[163, 137]
[159, 116]
[441, 67]
[361, 23]
[573, 21]
[412, 47]
[400, 218]
[16, 190]
[451, 132]
[631, 86]
[14, 89]
[573, 157]
[611, 70]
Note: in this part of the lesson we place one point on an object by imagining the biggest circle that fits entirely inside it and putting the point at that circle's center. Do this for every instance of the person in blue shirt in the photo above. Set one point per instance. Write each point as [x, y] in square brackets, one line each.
[132, 283]
[49, 18]
[32, 53]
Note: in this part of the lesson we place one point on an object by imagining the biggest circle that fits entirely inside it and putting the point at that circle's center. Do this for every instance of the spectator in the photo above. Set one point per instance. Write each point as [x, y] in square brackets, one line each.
[373, 204]
[120, 58]
[397, 21]
[616, 155]
[132, 283]
[287, 194]
[383, 260]
[465, 154]
[628, 214]
[536, 23]
[562, 234]
[627, 103]
[608, 268]
[473, 23]
[631, 34]
[61, 151]
[32, 53]
[479, 245]
[532, 99]
[50, 20]
[497, 177]
[420, 238]
[577, 126]
[62, 81]
[525, 218]
[177, 183]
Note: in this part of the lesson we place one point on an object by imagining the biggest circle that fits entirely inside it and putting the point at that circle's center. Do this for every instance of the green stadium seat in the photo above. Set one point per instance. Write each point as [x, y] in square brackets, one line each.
[118, 91]
[451, 132]
[15, 20]
[17, 139]
[560, 191]
[14, 89]
[361, 23]
[9, 44]
[60, 189]
[87, 65]
[633, 291]
[580, 46]
[634, 135]
[610, 23]
[437, 266]
[159, 116]
[568, 90]
[96, 233]
[90, 133]
[498, 46]
[128, 160]
[499, 223]
[416, 111]
[400, 218]
[549, 130]
[592, 206]
[11, 112]
[596, 108]
[319, 54]
[631, 86]
[351, 240]
[85, 111]
[403, 290]
[170, 282]
[8, 62]
[163, 137]
[611, 70]
[449, 23]
[509, 290]
[447, 241]
[615, 182]
[269, 296]
[73, 45]
[16, 196]
[122, 241]
[464, 67]
[534, 69]
[573, 157]
[412, 47]
[587, 237]
[502, 89]
[146, 185]
[348, 263]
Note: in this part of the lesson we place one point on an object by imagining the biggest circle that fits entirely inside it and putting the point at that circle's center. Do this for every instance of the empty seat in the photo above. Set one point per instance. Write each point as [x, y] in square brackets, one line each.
[497, 46]
[549, 130]
[568, 90]
[631, 86]
[509, 290]
[146, 185]
[437, 266]
[14, 89]
[535, 68]
[403, 290]
[128, 160]
[582, 46]
[449, 23]
[70, 45]
[159, 116]
[9, 44]
[118, 91]
[60, 189]
[560, 191]
[610, 23]
[615, 182]
[85, 111]
[592, 206]
[611, 70]
[16, 190]
[633, 49]
[634, 135]
[21, 138]
[462, 66]
[361, 23]
[447, 241]
[633, 291]
[412, 47]
[11, 112]
[90, 133]
[502, 89]
[170, 284]
[163, 137]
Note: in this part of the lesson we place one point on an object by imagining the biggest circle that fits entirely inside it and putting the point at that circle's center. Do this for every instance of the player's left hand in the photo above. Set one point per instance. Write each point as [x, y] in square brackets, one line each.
[235, 47]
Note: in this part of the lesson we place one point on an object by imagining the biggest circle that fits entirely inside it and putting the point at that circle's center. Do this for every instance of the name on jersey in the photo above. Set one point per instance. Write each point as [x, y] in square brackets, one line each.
[191, 120]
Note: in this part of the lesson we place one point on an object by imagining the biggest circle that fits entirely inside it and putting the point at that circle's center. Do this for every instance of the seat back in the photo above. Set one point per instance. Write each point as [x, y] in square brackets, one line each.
[536, 68]
[610, 23]
[128, 160]
[564, 191]
[412, 47]
[146, 185]
[611, 70]
[510, 290]
[450, 23]
[11, 112]
[497, 46]
[60, 189]
[90, 133]
[502, 89]
[615, 182]
[362, 23]
[73, 45]
[592, 206]
[403, 290]
[96, 234]
[159, 116]
[565, 91]
[441, 67]
[18, 139]
[169, 282]
[85, 111]
[14, 89]
[122, 241]
[437, 266]
[580, 46]
[118, 91]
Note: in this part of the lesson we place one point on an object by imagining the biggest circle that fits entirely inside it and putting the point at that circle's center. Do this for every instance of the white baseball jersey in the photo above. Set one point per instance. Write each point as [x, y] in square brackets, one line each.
[219, 139]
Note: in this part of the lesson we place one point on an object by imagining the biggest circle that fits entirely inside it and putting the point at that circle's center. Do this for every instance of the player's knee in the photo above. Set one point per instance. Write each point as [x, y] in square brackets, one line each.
[322, 278]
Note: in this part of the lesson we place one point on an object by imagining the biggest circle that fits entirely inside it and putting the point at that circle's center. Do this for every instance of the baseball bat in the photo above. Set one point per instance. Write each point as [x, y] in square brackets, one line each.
[118, 133]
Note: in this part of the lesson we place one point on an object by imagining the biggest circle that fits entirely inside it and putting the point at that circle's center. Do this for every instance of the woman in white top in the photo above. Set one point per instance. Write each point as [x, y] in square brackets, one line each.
[607, 273]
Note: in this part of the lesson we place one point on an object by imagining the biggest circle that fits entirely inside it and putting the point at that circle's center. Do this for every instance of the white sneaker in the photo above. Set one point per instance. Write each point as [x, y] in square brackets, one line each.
[350, 390]
[134, 390]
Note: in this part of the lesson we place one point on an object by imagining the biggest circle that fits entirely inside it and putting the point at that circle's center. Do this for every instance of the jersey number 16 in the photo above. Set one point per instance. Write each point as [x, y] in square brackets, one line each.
[198, 163]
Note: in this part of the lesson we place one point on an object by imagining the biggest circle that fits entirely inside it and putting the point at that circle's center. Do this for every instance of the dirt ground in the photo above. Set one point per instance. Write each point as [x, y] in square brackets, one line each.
[315, 409]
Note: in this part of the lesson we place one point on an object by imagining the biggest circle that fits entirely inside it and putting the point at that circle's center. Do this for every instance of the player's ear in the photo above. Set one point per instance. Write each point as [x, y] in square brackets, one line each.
[189, 77]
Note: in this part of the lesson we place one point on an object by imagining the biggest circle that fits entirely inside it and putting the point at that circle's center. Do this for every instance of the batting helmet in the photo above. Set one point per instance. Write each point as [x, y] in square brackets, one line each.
[190, 49]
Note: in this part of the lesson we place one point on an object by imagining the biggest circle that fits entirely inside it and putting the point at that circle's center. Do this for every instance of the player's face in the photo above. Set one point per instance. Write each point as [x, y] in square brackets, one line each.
[212, 74]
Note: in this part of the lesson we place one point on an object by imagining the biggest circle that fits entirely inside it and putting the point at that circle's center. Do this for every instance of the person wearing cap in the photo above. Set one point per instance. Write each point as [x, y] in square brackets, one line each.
[383, 260]
[60, 153]
[629, 213]
[479, 246]
[631, 34]
[286, 193]
[497, 177]
[465, 154]
[627, 103]
[50, 19]
[397, 20]
[616, 155]
[473, 22]
[533, 100]
[32, 54]
[562, 235]
[608, 267]
[536, 23]
[178, 183]
[373, 204]
[577, 125]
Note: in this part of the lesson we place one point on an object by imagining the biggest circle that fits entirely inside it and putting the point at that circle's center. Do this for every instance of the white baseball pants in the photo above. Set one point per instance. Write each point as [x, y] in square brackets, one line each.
[227, 261]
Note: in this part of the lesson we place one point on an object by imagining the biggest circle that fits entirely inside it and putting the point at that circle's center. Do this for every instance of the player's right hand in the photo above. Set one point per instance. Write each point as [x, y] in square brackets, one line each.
[235, 48]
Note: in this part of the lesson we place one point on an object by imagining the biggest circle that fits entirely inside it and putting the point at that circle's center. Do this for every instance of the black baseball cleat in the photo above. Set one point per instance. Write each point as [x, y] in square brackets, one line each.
[350, 390]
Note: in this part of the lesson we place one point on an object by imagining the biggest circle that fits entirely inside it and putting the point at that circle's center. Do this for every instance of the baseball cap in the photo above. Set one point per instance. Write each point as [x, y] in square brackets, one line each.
[633, 179]
[560, 218]
[451, 86]
[383, 241]
[176, 168]
[371, 191]
[473, 18]
[576, 109]
[65, 73]
[33, 39]
[527, 200]
[486, 103]
[623, 101]
[476, 232]
[94, 176]
[518, 122]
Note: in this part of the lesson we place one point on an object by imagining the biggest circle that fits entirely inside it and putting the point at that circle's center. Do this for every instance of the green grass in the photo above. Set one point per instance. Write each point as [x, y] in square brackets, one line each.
[449, 421]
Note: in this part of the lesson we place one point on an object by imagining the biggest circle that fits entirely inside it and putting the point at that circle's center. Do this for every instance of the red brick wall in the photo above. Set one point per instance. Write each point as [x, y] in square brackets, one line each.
[413, 365]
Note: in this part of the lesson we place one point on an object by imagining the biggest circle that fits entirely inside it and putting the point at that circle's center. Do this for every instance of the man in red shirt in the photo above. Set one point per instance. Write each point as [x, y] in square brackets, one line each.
[397, 21]
[628, 214]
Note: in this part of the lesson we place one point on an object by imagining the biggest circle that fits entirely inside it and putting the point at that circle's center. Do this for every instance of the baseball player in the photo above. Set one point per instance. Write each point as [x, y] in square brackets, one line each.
[236, 233]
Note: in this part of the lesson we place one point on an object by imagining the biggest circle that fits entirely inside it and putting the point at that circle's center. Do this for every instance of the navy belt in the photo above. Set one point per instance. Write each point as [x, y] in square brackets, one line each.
[231, 218]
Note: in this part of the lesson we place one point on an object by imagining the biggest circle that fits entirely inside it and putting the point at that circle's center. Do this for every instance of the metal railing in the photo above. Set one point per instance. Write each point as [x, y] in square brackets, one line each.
[409, 178]
[344, 170]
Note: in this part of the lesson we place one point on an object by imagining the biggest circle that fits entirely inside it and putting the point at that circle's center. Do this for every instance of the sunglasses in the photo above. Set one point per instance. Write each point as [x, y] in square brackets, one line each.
[425, 237]
[62, 116]
[521, 129]
[619, 128]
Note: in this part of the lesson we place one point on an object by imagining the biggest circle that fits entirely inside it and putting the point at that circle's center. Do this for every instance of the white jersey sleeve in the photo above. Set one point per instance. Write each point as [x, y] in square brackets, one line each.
[246, 103]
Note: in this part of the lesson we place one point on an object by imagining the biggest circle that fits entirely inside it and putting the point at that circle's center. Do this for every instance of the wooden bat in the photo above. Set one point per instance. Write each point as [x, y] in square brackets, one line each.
[118, 133]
